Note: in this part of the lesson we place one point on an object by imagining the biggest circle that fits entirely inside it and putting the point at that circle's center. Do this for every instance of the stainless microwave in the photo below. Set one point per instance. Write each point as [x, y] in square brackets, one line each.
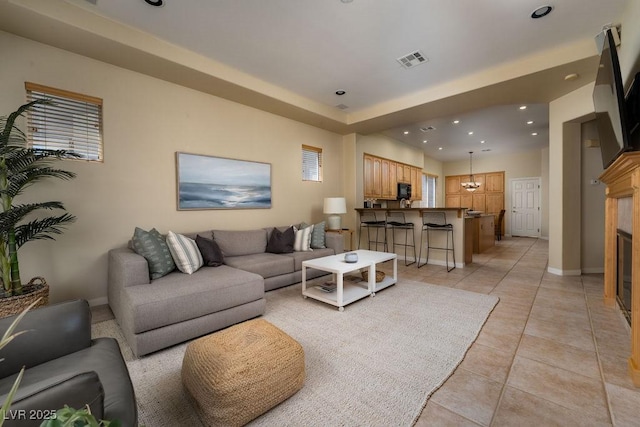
[404, 191]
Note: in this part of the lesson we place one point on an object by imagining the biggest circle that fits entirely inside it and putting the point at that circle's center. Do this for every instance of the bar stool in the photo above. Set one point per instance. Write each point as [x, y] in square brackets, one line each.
[436, 221]
[369, 220]
[396, 222]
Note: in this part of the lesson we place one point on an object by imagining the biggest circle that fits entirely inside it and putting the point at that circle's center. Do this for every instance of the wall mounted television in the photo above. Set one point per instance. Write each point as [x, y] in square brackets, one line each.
[610, 105]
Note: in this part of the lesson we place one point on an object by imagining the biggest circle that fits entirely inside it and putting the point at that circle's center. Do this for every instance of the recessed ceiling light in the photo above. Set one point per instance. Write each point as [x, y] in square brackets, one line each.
[482, 142]
[455, 122]
[541, 11]
[523, 107]
[340, 92]
[439, 148]
[425, 141]
[534, 133]
[471, 132]
[406, 132]
[530, 122]
[156, 3]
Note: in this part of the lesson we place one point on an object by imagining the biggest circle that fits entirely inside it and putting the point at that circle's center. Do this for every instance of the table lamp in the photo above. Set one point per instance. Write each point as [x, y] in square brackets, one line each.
[334, 206]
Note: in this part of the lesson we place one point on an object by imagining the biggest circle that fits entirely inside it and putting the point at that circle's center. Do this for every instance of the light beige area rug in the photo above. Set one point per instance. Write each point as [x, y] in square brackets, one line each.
[374, 364]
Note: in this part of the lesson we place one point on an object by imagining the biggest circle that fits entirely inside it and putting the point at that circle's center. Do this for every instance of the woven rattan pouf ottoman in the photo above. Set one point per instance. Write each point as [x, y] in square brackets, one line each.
[241, 372]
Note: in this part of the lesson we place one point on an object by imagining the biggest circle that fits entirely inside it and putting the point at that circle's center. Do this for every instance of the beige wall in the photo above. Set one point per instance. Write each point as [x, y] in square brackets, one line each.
[592, 203]
[515, 165]
[146, 121]
[544, 197]
[565, 115]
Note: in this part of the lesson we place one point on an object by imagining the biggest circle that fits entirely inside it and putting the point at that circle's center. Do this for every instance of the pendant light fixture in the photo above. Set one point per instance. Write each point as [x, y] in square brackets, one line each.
[471, 185]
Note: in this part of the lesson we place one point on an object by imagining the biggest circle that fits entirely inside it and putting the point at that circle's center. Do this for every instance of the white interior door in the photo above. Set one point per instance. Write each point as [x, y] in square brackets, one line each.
[525, 207]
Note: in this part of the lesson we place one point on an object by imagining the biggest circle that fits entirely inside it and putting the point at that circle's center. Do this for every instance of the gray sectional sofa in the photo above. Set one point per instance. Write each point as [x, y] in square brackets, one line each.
[155, 314]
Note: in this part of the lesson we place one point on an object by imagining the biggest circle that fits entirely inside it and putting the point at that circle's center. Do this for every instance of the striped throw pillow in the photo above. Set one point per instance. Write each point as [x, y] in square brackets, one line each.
[185, 252]
[303, 239]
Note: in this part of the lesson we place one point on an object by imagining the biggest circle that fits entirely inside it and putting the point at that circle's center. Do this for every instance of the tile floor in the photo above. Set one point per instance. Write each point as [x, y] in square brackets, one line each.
[550, 354]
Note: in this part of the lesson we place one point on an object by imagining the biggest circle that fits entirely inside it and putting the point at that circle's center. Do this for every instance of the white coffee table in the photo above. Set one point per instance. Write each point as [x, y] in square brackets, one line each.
[346, 293]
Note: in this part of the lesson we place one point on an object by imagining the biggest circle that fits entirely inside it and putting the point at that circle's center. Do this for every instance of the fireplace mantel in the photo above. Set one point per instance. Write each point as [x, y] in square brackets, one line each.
[623, 180]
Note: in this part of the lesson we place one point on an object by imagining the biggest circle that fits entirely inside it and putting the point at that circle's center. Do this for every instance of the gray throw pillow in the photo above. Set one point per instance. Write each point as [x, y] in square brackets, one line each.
[152, 246]
[281, 242]
[211, 253]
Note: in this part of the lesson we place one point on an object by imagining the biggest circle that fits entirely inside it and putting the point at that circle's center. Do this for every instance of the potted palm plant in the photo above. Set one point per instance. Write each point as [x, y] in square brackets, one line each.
[21, 167]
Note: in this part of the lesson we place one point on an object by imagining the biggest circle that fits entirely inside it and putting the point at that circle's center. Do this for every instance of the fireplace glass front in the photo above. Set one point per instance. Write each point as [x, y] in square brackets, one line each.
[624, 273]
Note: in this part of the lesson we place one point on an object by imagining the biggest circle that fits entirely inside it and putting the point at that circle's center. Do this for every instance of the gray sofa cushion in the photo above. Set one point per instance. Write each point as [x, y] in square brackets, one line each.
[298, 257]
[265, 264]
[177, 297]
[236, 243]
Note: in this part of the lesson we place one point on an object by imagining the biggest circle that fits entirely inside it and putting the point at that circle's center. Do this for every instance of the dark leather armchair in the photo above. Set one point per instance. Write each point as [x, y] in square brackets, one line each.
[64, 366]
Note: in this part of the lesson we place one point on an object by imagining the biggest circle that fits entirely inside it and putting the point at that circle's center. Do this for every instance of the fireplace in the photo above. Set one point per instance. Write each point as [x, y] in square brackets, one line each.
[623, 292]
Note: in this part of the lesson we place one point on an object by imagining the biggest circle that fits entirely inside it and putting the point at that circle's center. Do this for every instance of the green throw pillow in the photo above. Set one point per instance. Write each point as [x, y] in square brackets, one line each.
[152, 246]
[317, 235]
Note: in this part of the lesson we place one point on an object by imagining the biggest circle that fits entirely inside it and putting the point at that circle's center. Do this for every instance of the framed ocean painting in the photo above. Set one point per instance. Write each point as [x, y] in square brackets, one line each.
[207, 182]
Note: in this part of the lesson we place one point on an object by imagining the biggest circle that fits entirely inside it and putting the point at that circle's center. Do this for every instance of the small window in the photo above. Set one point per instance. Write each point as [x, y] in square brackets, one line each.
[429, 183]
[311, 163]
[71, 122]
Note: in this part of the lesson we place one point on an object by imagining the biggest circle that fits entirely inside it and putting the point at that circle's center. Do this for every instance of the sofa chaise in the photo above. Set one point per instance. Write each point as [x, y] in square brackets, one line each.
[64, 366]
[157, 313]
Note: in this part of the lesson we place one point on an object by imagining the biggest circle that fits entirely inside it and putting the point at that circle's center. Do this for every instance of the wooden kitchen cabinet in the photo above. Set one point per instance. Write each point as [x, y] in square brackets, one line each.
[466, 200]
[372, 177]
[404, 173]
[489, 198]
[381, 178]
[479, 203]
[416, 183]
[494, 203]
[452, 201]
[495, 182]
[388, 179]
[483, 233]
[452, 184]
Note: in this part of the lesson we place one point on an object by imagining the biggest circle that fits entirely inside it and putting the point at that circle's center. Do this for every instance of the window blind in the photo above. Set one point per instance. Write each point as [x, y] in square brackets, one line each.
[71, 122]
[429, 190]
[311, 163]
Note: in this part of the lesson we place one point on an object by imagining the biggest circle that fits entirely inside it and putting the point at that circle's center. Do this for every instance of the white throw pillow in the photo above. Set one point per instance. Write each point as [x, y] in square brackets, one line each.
[303, 240]
[185, 252]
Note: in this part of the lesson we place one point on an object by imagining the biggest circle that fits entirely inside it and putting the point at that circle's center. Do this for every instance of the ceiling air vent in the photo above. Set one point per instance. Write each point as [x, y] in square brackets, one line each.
[412, 59]
[342, 106]
[427, 128]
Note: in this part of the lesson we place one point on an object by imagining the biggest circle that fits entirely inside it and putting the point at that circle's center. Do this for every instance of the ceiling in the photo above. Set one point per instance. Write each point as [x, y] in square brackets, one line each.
[291, 56]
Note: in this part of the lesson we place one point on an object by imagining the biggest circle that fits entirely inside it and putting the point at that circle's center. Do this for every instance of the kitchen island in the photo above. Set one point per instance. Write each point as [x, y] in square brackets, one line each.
[454, 216]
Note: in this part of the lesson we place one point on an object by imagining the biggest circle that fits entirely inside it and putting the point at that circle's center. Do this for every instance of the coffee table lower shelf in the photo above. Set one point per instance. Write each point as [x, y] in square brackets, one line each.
[350, 292]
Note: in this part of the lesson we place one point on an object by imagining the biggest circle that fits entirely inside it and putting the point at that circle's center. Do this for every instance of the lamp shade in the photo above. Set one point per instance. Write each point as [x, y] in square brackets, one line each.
[335, 205]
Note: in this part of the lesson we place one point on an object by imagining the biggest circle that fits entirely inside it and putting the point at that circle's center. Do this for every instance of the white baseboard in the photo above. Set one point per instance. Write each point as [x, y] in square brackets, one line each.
[543, 237]
[594, 270]
[559, 272]
[98, 301]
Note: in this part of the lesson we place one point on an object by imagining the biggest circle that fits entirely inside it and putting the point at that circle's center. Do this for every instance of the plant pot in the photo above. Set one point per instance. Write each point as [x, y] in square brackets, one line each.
[36, 288]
